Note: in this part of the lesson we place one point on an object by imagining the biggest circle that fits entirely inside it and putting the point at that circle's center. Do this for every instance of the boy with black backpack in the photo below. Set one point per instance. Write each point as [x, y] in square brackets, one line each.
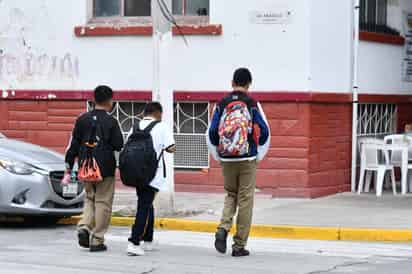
[239, 137]
[96, 136]
[142, 166]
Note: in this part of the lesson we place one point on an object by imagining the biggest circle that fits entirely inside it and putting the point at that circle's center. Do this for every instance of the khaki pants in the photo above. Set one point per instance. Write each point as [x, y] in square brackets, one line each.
[240, 182]
[97, 210]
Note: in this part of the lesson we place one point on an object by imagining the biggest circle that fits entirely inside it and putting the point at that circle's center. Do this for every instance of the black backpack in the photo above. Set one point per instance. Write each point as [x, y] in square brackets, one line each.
[138, 161]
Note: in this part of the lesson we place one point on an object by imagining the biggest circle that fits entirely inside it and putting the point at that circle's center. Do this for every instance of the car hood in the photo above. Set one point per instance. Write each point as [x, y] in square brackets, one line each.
[31, 154]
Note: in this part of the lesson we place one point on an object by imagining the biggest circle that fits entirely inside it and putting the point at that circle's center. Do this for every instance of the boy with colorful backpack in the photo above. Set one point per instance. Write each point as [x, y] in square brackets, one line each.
[238, 138]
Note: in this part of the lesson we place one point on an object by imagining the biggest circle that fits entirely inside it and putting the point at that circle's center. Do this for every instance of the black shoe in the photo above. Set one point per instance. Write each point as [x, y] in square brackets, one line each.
[98, 248]
[241, 252]
[84, 237]
[220, 242]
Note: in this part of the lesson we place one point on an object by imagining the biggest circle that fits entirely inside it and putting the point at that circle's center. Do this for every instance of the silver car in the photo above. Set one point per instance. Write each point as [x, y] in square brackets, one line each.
[30, 178]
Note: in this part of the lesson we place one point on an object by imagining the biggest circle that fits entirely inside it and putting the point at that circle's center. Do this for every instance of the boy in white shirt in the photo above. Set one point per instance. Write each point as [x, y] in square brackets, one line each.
[163, 140]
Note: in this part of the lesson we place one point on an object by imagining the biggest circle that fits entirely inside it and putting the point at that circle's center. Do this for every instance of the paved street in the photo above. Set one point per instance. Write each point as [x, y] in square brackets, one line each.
[53, 250]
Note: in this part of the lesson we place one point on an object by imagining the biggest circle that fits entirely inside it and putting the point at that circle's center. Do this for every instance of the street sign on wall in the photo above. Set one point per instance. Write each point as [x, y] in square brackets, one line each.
[270, 17]
[407, 61]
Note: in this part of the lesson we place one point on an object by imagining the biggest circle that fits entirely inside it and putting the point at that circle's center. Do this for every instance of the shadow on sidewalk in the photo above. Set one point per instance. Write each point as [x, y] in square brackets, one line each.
[29, 222]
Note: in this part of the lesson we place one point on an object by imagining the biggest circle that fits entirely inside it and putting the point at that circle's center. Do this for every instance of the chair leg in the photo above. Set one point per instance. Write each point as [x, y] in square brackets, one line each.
[379, 181]
[404, 179]
[387, 181]
[368, 180]
[361, 180]
[393, 181]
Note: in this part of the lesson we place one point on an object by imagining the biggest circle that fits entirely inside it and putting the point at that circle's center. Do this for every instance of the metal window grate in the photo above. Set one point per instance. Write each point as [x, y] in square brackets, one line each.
[134, 8]
[376, 120]
[191, 123]
[127, 113]
[191, 120]
[373, 17]
[191, 7]
[192, 151]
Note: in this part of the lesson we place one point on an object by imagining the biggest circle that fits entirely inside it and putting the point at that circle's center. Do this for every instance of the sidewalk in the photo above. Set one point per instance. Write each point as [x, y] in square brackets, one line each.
[343, 210]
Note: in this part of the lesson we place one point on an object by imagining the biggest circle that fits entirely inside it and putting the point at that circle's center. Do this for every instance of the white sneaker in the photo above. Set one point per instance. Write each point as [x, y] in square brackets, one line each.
[150, 246]
[134, 250]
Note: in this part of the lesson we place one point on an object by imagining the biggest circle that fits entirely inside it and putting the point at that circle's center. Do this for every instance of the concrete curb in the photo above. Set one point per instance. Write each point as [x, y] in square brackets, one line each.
[276, 231]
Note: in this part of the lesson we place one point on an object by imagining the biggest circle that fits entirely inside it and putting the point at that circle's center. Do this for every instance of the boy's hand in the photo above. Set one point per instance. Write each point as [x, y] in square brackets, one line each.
[66, 178]
[171, 149]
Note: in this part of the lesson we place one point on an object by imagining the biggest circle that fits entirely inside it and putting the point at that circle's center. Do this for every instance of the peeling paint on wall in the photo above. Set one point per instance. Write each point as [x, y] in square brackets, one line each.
[28, 67]
[23, 54]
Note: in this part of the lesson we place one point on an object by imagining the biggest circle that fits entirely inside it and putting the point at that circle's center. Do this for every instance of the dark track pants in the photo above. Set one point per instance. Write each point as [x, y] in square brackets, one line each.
[143, 227]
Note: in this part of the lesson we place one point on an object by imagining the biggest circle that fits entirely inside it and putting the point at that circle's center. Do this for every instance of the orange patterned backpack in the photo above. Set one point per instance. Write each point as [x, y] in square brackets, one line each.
[89, 171]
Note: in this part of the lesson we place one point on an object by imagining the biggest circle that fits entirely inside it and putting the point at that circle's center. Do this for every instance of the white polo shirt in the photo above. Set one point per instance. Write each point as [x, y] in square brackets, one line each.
[162, 139]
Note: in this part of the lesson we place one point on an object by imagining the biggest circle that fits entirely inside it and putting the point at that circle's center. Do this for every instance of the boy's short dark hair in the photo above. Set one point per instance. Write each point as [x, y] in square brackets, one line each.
[242, 77]
[103, 94]
[153, 107]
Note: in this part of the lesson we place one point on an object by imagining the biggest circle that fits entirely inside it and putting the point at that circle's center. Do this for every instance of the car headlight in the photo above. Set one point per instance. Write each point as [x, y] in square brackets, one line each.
[18, 168]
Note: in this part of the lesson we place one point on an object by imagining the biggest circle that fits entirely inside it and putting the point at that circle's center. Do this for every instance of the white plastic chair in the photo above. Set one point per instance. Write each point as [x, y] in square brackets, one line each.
[369, 140]
[371, 162]
[396, 156]
[398, 139]
[409, 178]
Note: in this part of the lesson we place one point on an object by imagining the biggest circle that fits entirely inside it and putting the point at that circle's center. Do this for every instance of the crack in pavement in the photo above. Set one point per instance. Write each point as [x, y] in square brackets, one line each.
[336, 267]
[149, 271]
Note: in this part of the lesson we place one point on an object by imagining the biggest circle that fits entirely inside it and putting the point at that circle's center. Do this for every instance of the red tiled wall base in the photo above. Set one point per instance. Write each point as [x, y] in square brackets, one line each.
[46, 123]
[330, 149]
[285, 168]
[49, 124]
[284, 171]
[310, 150]
[309, 154]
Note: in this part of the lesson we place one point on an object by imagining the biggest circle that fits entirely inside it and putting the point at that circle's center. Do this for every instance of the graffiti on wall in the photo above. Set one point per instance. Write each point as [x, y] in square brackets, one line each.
[30, 67]
[30, 50]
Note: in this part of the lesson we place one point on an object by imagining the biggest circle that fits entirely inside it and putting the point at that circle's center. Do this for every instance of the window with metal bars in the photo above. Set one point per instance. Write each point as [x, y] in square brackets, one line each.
[191, 7]
[141, 9]
[191, 120]
[374, 16]
[376, 120]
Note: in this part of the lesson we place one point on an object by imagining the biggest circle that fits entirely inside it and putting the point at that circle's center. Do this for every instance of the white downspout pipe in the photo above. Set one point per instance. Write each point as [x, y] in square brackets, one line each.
[355, 95]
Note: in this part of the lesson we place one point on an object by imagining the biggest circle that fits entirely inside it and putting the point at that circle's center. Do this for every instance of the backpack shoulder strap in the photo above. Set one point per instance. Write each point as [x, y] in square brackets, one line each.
[237, 96]
[224, 102]
[93, 132]
[250, 102]
[136, 127]
[151, 126]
